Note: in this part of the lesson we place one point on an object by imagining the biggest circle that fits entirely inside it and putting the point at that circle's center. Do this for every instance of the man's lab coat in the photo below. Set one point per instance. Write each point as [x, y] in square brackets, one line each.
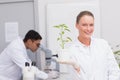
[96, 61]
[13, 59]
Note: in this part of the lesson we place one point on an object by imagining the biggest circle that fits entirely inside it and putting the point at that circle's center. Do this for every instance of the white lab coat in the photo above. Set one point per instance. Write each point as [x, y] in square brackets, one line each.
[13, 59]
[96, 61]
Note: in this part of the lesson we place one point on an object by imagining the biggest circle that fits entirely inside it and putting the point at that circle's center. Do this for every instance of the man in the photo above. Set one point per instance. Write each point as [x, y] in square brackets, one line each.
[92, 58]
[14, 56]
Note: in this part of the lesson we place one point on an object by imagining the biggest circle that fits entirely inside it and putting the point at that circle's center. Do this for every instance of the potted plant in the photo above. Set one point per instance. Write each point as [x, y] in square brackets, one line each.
[63, 39]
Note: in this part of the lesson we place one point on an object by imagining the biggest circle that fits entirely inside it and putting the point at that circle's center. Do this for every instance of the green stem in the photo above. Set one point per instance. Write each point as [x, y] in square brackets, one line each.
[61, 37]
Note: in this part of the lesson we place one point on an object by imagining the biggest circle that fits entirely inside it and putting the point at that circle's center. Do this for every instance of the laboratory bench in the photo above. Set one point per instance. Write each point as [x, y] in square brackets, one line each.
[62, 76]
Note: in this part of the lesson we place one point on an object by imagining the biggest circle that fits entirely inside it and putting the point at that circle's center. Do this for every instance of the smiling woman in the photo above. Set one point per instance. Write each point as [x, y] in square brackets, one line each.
[92, 55]
[85, 26]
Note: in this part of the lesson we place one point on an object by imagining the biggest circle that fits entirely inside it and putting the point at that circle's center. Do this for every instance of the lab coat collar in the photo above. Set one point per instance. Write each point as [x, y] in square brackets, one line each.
[78, 43]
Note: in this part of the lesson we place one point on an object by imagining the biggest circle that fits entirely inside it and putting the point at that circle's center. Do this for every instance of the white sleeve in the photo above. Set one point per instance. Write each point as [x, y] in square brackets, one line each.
[40, 74]
[19, 57]
[4, 78]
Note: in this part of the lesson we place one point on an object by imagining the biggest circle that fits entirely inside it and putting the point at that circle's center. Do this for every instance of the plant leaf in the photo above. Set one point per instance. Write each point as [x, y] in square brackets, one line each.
[63, 32]
[56, 26]
[58, 39]
[117, 52]
[67, 30]
[69, 38]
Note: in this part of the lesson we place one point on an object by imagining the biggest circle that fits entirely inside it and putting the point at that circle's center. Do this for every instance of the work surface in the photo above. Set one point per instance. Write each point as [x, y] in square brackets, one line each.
[62, 76]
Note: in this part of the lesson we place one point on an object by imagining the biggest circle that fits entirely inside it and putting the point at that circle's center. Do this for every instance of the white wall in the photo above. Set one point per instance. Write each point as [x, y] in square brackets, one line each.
[42, 14]
[110, 18]
[110, 21]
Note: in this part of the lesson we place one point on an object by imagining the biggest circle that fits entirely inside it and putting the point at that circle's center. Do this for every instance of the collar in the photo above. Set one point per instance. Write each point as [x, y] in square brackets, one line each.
[78, 43]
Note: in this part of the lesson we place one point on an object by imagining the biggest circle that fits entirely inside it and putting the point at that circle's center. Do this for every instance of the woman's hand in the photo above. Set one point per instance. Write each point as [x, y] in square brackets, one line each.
[75, 66]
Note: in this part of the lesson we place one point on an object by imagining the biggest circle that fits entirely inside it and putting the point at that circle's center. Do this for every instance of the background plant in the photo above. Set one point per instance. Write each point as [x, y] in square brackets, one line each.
[116, 51]
[117, 56]
[62, 38]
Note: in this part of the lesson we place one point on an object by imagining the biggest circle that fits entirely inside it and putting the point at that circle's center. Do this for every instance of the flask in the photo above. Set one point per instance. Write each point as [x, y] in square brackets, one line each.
[27, 73]
[33, 69]
[33, 64]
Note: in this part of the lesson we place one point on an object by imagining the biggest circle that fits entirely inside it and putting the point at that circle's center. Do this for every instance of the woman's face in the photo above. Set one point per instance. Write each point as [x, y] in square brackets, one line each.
[85, 26]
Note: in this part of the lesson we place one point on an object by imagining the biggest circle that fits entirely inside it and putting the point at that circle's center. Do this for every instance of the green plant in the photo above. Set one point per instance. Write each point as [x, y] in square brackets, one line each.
[62, 38]
[117, 52]
[117, 56]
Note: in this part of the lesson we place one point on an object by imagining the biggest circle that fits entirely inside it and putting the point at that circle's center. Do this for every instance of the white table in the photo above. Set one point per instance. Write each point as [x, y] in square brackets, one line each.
[63, 76]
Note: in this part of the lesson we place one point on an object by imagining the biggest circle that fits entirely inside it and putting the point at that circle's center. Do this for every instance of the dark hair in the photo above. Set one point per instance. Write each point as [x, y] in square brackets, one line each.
[33, 35]
[81, 14]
